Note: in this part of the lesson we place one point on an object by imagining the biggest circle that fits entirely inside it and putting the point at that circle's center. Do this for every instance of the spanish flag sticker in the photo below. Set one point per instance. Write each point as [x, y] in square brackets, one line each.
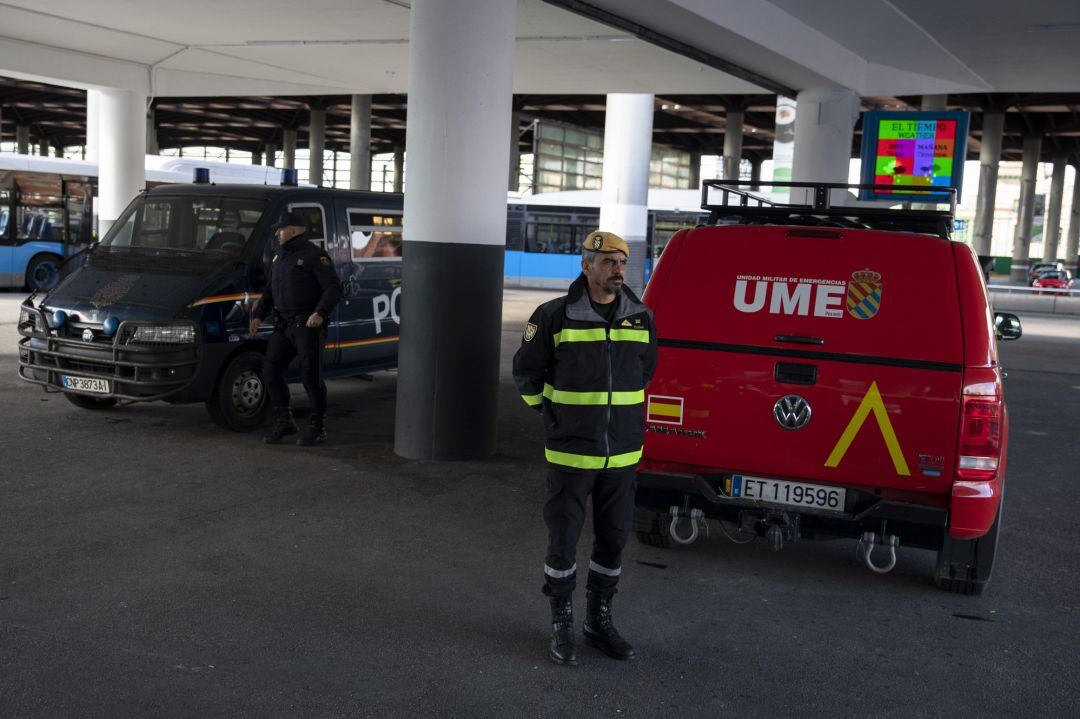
[665, 410]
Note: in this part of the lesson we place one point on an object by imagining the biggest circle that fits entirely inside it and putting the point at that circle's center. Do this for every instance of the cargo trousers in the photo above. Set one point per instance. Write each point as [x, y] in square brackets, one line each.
[292, 338]
[564, 513]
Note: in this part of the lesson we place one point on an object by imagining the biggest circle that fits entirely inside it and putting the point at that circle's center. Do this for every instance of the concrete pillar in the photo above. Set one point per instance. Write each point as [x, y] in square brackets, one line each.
[256, 157]
[695, 170]
[755, 172]
[93, 111]
[22, 139]
[271, 152]
[122, 149]
[993, 123]
[624, 193]
[935, 103]
[360, 143]
[58, 150]
[288, 149]
[1052, 230]
[1021, 262]
[399, 168]
[515, 152]
[733, 144]
[461, 61]
[43, 147]
[823, 130]
[151, 133]
[316, 145]
[1072, 238]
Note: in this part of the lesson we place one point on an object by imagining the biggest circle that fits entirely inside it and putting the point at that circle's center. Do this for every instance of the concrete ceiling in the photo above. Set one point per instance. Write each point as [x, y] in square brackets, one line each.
[284, 47]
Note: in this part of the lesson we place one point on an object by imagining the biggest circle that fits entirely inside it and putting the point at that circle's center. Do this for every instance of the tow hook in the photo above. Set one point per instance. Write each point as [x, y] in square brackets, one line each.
[676, 514]
[780, 529]
[866, 549]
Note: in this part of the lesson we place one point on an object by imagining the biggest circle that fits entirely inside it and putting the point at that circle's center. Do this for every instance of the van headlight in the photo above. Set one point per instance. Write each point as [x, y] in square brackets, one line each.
[163, 334]
[31, 322]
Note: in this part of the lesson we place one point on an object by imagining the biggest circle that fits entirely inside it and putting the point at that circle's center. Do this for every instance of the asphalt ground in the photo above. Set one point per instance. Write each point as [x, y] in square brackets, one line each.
[152, 565]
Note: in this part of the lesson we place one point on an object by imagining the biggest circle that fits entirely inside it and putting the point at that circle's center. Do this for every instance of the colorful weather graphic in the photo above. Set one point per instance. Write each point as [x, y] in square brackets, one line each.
[915, 153]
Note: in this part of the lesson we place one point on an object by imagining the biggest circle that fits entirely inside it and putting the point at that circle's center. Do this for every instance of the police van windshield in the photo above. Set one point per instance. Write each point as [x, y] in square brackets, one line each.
[205, 226]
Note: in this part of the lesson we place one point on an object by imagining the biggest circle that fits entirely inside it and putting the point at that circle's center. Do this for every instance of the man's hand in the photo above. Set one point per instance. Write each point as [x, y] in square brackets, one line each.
[315, 320]
[254, 326]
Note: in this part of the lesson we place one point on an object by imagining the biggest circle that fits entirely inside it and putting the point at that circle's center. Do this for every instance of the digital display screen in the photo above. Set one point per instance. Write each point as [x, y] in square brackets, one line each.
[913, 150]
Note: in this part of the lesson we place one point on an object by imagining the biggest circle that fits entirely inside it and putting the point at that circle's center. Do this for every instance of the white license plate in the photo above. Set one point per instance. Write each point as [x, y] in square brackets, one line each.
[776, 491]
[85, 384]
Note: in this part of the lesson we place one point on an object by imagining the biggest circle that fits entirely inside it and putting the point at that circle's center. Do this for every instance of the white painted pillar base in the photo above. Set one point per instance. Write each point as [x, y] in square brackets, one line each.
[122, 151]
[824, 125]
[624, 194]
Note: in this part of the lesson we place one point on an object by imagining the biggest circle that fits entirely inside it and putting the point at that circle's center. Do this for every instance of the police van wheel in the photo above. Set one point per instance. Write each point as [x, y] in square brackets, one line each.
[650, 529]
[964, 566]
[239, 402]
[43, 272]
[81, 400]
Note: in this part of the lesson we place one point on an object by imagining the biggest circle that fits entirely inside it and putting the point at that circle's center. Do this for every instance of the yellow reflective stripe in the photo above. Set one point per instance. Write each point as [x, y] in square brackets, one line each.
[562, 396]
[630, 336]
[532, 399]
[571, 335]
[585, 461]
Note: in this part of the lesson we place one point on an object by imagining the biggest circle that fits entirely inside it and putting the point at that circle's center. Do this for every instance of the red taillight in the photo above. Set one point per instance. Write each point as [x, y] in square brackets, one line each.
[980, 439]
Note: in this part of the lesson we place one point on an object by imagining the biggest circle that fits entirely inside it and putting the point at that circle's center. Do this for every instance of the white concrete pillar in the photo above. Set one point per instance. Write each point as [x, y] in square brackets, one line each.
[1072, 237]
[1052, 230]
[993, 124]
[93, 137]
[1021, 261]
[823, 131]
[624, 193]
[288, 149]
[461, 61]
[22, 139]
[399, 168]
[360, 143]
[122, 150]
[316, 145]
[733, 144]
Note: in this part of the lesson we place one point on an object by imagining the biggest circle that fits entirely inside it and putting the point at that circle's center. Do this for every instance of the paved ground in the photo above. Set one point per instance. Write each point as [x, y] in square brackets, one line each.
[152, 565]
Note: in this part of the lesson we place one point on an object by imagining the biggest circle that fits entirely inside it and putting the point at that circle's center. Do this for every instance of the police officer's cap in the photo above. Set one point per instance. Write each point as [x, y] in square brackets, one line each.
[290, 219]
[605, 242]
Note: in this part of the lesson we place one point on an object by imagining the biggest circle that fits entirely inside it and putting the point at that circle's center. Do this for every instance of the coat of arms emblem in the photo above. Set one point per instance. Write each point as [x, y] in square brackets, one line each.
[864, 294]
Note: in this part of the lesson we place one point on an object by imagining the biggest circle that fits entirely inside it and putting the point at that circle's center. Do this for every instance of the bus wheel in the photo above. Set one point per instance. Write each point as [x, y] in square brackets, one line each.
[81, 400]
[239, 401]
[43, 272]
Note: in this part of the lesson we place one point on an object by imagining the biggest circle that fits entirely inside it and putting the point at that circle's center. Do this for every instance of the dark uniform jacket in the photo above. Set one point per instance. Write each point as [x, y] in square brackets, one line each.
[589, 377]
[302, 281]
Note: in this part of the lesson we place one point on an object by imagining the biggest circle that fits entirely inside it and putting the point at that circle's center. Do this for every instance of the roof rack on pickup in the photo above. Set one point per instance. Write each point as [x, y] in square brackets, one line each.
[822, 209]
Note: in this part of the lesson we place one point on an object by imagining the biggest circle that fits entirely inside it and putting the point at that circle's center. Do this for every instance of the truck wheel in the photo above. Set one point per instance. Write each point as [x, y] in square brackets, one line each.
[650, 528]
[964, 565]
[43, 272]
[239, 401]
[81, 400]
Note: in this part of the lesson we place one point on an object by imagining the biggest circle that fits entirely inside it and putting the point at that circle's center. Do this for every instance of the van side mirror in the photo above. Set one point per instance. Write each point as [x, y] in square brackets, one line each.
[1007, 326]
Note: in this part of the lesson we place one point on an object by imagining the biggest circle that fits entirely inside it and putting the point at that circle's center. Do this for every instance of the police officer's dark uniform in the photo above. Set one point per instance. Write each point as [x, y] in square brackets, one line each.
[302, 282]
[587, 373]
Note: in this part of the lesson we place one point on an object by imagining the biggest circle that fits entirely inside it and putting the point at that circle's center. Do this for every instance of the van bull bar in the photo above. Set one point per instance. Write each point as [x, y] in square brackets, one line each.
[141, 361]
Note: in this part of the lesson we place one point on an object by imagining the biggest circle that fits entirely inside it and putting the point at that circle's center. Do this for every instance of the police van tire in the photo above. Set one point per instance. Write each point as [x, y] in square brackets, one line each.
[43, 272]
[650, 529]
[240, 402]
[81, 400]
[964, 566]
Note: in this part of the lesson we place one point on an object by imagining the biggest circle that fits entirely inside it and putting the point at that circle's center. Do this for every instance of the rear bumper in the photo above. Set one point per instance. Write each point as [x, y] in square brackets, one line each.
[917, 525]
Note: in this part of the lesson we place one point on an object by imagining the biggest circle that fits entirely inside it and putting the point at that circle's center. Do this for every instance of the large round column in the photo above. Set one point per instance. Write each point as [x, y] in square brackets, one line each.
[824, 126]
[461, 58]
[1052, 230]
[121, 153]
[732, 144]
[22, 139]
[993, 124]
[316, 145]
[624, 194]
[288, 149]
[1021, 260]
[360, 143]
[1072, 237]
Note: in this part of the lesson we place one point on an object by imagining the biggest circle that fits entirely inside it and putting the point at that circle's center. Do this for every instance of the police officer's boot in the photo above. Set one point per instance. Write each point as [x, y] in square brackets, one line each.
[283, 426]
[316, 431]
[563, 649]
[601, 633]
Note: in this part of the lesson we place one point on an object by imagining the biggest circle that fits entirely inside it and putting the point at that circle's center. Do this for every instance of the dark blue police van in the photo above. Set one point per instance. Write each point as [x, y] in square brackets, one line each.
[159, 308]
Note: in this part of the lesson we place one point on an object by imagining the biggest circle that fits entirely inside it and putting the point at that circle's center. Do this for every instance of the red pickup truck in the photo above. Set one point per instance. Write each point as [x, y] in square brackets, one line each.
[827, 371]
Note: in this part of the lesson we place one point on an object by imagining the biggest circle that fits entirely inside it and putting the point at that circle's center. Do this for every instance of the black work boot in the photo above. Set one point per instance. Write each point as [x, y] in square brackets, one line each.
[601, 633]
[316, 431]
[283, 426]
[563, 649]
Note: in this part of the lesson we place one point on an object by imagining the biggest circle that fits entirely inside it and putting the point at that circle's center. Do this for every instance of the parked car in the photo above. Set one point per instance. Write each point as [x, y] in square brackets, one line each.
[1053, 280]
[1040, 267]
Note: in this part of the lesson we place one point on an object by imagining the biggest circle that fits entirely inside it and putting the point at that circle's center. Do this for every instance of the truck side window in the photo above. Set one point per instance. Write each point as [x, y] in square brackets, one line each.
[316, 223]
[374, 234]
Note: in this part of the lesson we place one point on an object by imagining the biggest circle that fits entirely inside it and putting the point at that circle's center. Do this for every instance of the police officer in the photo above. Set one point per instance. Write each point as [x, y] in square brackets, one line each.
[303, 292]
[584, 362]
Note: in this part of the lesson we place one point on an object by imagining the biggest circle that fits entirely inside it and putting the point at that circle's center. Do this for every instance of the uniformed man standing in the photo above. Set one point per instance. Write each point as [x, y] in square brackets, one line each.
[585, 360]
[303, 292]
